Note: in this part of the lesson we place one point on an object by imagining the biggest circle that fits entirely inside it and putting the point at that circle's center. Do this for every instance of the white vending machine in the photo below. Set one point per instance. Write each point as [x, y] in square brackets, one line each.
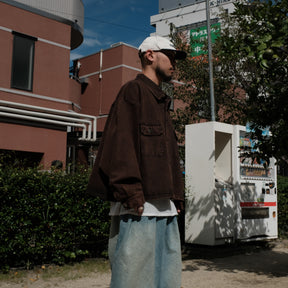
[228, 197]
[255, 189]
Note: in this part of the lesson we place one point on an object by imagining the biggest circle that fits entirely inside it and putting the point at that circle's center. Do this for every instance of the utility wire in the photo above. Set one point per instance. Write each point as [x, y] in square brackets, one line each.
[118, 25]
[95, 20]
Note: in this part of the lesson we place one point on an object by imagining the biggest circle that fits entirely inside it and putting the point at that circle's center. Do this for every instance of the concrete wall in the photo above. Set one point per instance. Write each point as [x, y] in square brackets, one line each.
[188, 15]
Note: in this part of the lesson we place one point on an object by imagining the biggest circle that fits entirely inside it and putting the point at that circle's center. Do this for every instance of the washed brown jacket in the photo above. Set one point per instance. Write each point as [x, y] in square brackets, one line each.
[138, 156]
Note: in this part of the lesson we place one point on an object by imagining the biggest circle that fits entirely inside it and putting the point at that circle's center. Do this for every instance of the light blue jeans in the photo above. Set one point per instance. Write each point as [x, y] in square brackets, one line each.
[145, 252]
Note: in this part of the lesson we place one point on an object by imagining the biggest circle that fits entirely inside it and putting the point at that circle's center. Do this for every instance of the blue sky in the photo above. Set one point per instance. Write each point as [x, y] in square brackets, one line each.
[109, 22]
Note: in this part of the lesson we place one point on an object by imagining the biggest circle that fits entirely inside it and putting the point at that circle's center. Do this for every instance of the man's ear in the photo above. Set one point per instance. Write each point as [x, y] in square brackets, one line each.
[150, 55]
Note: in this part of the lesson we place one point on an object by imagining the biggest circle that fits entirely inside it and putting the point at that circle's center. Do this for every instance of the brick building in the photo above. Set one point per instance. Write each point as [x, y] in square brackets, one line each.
[39, 102]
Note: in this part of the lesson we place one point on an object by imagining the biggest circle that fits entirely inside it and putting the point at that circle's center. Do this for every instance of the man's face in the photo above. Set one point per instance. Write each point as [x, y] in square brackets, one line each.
[165, 64]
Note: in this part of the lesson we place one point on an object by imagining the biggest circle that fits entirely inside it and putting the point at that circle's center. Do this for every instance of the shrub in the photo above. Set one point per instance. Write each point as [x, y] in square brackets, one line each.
[47, 217]
[282, 184]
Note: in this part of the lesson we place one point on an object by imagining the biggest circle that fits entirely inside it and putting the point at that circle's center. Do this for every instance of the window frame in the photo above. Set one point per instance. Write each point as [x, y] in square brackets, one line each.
[29, 66]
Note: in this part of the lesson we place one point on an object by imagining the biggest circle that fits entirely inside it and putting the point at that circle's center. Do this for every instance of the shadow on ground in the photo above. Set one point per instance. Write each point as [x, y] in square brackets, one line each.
[263, 258]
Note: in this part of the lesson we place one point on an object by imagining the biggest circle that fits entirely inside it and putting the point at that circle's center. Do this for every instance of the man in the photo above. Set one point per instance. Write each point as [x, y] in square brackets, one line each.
[138, 169]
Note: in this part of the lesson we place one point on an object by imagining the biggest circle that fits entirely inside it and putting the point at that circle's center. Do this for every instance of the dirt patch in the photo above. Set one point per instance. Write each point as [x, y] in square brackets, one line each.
[254, 265]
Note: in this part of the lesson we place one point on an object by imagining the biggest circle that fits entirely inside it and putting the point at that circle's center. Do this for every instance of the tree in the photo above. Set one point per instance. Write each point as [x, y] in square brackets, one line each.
[193, 90]
[253, 53]
[250, 62]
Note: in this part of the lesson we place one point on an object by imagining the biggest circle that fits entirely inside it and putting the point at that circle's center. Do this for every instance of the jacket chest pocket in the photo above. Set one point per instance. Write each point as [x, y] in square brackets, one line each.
[152, 140]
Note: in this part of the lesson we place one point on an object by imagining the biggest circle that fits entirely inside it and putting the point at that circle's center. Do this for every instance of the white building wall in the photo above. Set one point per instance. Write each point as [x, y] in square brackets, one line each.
[188, 15]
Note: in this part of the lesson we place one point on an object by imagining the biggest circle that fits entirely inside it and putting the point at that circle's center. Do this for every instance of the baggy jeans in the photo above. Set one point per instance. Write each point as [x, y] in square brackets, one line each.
[145, 252]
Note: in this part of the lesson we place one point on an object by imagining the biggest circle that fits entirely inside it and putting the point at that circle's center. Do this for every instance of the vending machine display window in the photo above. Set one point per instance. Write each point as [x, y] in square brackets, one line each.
[251, 168]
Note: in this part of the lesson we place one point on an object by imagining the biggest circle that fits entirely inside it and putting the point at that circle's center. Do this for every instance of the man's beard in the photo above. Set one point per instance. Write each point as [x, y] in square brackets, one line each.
[161, 75]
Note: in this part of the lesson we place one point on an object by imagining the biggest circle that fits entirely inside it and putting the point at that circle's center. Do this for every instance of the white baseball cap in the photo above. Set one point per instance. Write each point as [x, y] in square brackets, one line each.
[156, 43]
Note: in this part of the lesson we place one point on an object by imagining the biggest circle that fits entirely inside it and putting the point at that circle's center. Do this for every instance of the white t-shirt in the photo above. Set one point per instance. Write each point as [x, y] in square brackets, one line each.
[158, 208]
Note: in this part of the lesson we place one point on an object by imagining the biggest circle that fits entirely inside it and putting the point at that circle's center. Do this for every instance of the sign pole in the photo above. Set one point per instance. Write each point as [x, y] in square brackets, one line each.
[212, 103]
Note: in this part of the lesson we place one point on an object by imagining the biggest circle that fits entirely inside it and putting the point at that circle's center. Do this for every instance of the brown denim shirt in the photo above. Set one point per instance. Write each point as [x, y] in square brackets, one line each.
[138, 156]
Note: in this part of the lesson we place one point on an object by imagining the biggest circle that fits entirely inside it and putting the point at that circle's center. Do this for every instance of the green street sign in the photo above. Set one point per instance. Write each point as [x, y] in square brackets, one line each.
[198, 35]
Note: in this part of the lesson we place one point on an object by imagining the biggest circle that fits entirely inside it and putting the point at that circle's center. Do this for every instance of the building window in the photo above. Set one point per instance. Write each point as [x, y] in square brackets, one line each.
[23, 61]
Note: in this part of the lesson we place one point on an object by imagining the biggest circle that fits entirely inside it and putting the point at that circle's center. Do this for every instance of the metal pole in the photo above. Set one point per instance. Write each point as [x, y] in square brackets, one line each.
[210, 61]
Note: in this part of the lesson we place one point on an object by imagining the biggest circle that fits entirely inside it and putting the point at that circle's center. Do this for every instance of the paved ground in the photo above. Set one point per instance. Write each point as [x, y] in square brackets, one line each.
[245, 266]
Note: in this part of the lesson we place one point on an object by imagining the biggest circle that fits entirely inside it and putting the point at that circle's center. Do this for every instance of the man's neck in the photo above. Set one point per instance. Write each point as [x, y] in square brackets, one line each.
[152, 76]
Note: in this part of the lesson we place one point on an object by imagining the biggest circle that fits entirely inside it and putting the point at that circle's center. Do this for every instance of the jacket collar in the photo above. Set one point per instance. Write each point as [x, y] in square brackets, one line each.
[153, 87]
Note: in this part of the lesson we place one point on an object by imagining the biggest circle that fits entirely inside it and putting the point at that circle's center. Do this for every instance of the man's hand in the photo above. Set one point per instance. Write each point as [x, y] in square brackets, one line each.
[135, 202]
[179, 206]
[140, 210]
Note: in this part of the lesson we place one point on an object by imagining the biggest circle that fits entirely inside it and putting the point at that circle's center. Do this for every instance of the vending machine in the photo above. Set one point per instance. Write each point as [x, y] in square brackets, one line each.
[228, 197]
[255, 189]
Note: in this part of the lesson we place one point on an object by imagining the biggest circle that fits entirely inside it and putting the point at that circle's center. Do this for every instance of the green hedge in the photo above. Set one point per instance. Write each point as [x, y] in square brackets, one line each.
[47, 217]
[282, 184]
